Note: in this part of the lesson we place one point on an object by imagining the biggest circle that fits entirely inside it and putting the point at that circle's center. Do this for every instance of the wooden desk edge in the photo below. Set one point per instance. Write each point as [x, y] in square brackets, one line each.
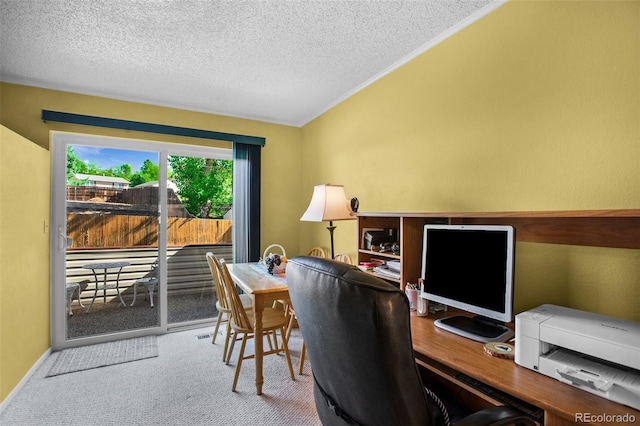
[439, 347]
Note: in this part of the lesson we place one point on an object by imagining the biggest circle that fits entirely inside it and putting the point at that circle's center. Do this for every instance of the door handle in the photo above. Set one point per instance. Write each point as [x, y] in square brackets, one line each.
[63, 240]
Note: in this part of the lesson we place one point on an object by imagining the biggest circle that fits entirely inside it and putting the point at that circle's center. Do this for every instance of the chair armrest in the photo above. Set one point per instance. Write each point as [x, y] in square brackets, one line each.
[497, 416]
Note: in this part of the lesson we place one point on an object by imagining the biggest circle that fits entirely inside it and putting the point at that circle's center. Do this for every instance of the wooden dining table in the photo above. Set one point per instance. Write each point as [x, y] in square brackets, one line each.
[263, 288]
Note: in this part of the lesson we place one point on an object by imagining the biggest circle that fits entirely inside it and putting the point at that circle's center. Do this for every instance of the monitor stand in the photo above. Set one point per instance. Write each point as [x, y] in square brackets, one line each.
[476, 328]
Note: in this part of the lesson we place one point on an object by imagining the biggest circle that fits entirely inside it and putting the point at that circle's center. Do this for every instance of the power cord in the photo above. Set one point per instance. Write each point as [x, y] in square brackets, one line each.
[443, 409]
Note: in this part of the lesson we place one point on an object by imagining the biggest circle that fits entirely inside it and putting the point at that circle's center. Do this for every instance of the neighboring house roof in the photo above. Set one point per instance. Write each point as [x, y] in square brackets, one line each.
[155, 183]
[82, 176]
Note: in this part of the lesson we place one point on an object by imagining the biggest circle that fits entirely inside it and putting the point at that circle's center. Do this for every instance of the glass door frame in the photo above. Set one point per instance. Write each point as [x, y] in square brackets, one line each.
[59, 142]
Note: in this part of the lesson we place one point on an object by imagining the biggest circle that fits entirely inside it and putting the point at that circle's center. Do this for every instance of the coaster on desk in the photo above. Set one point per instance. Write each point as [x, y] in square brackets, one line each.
[501, 350]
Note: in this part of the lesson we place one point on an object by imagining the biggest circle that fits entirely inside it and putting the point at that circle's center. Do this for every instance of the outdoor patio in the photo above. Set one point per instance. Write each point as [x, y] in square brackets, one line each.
[112, 317]
[191, 294]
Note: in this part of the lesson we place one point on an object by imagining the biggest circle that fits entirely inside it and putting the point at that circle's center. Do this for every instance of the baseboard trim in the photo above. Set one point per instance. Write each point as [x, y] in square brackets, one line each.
[5, 402]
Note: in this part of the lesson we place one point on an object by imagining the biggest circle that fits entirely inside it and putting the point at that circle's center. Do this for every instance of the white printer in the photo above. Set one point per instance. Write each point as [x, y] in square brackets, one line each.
[595, 353]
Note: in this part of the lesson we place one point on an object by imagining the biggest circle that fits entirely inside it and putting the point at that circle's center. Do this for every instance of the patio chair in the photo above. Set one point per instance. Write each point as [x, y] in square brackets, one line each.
[73, 288]
[149, 282]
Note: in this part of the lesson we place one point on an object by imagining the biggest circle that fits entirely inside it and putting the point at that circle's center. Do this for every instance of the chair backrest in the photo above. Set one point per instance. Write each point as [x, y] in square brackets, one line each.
[154, 269]
[212, 261]
[357, 333]
[267, 251]
[344, 258]
[238, 313]
[317, 252]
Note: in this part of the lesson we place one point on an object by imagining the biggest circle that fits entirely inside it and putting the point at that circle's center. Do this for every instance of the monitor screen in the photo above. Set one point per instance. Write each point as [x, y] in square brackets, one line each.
[470, 267]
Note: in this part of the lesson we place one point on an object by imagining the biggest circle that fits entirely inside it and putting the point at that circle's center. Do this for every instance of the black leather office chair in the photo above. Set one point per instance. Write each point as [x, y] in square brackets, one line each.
[358, 337]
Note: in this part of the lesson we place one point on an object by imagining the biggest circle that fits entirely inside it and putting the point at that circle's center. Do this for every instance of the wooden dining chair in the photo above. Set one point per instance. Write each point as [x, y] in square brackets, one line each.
[278, 247]
[242, 324]
[317, 252]
[303, 350]
[283, 252]
[344, 258]
[222, 305]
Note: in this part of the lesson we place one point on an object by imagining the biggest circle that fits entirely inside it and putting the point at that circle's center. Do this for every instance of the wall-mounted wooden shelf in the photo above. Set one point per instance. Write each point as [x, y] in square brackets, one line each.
[599, 228]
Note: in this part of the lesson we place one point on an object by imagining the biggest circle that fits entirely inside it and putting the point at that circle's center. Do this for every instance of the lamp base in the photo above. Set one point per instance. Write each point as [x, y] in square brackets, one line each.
[331, 228]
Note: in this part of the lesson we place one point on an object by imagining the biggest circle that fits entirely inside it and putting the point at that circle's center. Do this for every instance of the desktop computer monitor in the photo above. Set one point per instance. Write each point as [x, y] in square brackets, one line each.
[470, 267]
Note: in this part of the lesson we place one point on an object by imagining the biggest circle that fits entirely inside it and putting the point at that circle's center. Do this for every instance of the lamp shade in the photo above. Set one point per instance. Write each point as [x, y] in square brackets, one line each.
[328, 202]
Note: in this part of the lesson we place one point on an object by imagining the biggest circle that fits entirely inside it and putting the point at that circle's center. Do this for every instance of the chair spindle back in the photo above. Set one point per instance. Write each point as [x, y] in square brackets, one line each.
[238, 313]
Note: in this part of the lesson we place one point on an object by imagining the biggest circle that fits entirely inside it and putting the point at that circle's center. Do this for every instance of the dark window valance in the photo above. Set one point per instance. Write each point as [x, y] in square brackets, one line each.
[246, 172]
[114, 123]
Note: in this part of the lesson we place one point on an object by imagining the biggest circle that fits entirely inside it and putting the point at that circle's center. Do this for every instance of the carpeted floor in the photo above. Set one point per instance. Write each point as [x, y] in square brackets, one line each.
[186, 384]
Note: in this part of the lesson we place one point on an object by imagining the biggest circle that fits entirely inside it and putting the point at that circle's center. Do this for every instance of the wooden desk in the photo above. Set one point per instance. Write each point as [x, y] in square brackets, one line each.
[263, 288]
[443, 355]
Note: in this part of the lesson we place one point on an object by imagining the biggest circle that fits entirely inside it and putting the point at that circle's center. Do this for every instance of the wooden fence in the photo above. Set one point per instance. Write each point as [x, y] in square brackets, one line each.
[139, 199]
[85, 193]
[107, 225]
[123, 231]
[146, 195]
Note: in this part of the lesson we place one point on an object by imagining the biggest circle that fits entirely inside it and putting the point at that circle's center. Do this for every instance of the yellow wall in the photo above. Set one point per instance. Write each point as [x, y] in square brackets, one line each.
[533, 107]
[24, 257]
[21, 108]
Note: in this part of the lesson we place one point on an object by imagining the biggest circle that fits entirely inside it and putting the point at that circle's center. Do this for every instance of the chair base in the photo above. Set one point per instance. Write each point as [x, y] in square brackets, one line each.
[248, 304]
[275, 350]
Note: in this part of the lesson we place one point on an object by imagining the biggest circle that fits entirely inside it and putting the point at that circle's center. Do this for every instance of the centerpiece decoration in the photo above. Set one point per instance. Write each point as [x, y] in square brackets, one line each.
[275, 263]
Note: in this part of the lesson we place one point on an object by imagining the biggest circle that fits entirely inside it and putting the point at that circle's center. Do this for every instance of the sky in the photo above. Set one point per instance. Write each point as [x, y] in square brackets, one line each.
[106, 158]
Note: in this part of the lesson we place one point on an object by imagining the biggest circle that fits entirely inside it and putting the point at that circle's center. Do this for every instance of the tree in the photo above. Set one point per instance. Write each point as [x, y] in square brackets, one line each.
[74, 165]
[204, 184]
[148, 172]
[124, 171]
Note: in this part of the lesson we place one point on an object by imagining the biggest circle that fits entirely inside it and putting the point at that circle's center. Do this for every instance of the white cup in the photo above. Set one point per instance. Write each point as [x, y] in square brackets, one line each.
[422, 307]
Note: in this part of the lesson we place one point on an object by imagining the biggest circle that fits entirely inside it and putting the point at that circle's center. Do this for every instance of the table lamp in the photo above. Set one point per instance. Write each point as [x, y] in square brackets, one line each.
[328, 202]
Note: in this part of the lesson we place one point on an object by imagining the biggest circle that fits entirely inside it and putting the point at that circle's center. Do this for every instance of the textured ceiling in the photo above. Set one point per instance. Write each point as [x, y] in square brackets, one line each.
[278, 61]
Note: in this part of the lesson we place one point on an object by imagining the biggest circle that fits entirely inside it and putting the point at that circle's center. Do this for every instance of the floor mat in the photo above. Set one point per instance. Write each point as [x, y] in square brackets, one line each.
[104, 354]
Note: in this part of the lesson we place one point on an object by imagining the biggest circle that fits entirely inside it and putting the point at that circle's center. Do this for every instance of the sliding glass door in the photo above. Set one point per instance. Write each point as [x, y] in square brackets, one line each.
[128, 252]
[198, 221]
[112, 221]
